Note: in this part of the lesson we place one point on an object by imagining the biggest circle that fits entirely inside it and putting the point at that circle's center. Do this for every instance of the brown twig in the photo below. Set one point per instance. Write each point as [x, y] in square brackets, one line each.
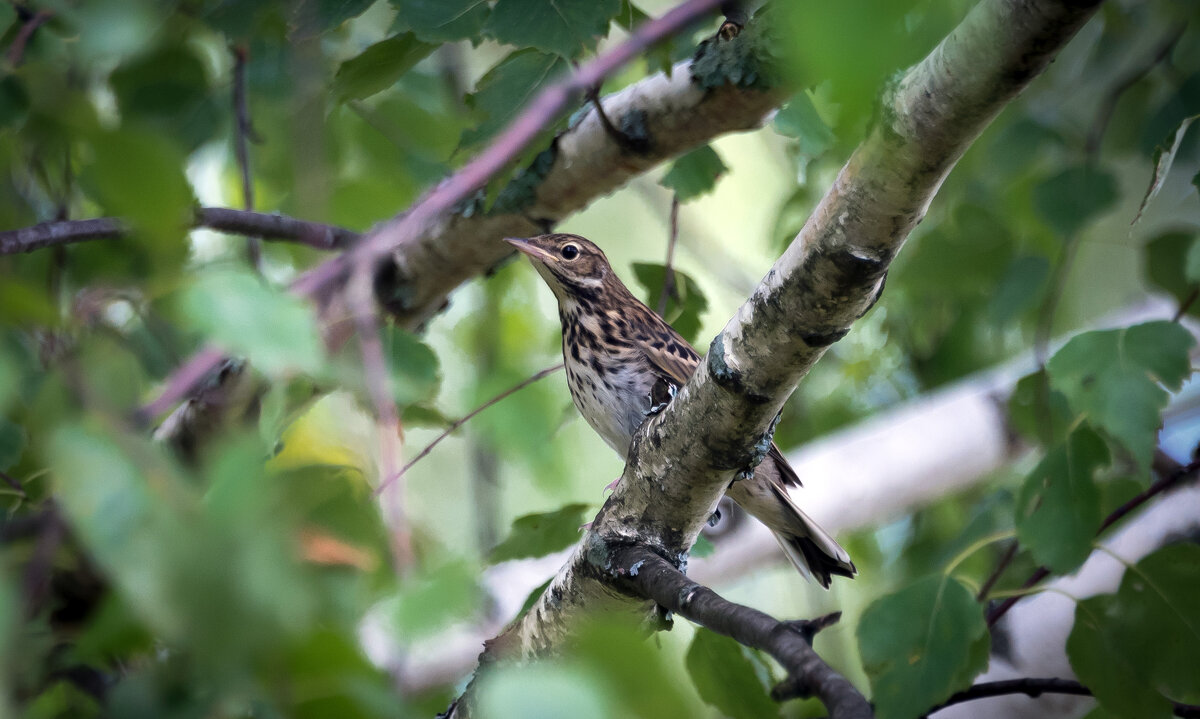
[1177, 475]
[1186, 304]
[243, 132]
[453, 426]
[272, 227]
[16, 51]
[668, 288]
[1005, 560]
[17, 486]
[1035, 687]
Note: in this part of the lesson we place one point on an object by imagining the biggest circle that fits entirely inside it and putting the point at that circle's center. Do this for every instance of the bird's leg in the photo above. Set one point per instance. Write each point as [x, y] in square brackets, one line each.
[611, 485]
[714, 518]
[759, 451]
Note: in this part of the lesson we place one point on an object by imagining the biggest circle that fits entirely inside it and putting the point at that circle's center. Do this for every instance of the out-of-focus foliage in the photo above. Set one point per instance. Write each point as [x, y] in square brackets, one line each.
[258, 579]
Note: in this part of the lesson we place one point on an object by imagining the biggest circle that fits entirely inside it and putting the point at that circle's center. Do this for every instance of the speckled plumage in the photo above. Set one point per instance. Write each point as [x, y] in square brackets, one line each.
[623, 360]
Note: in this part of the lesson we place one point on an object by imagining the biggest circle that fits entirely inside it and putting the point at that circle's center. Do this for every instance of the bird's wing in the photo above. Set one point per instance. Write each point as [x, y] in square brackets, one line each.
[787, 475]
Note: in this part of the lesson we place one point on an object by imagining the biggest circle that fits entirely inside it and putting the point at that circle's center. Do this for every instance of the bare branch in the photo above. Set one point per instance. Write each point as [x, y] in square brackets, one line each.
[1035, 687]
[274, 227]
[650, 576]
[16, 51]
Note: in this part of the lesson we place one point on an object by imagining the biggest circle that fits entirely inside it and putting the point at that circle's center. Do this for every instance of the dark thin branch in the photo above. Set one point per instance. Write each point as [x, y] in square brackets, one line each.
[668, 288]
[1005, 560]
[16, 51]
[1186, 304]
[1034, 688]
[453, 426]
[1109, 103]
[12, 482]
[243, 132]
[648, 575]
[182, 382]
[1174, 475]
[273, 227]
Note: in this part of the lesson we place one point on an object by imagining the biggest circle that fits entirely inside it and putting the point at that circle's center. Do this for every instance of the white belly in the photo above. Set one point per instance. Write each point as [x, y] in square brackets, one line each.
[613, 402]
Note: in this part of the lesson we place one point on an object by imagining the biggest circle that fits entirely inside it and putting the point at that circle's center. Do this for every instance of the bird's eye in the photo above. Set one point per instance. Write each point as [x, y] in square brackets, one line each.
[570, 252]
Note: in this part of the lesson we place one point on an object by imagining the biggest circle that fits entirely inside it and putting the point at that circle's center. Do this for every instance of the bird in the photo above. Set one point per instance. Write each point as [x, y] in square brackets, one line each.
[624, 362]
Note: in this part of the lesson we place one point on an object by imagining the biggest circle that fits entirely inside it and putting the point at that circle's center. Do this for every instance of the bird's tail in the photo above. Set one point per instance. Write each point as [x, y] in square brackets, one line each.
[810, 548]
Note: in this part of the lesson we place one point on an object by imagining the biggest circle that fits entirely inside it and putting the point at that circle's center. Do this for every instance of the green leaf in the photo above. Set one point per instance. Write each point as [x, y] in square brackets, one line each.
[14, 101]
[536, 535]
[332, 13]
[922, 644]
[412, 365]
[435, 599]
[695, 173]
[139, 176]
[685, 302]
[1168, 262]
[443, 20]
[799, 119]
[167, 89]
[1058, 510]
[1113, 378]
[1191, 268]
[508, 87]
[725, 678]
[540, 691]
[378, 67]
[558, 26]
[1020, 288]
[1164, 156]
[13, 440]
[1073, 198]
[238, 311]
[702, 548]
[1139, 647]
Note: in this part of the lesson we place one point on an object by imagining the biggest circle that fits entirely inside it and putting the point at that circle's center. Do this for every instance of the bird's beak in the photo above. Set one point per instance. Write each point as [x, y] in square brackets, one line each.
[524, 245]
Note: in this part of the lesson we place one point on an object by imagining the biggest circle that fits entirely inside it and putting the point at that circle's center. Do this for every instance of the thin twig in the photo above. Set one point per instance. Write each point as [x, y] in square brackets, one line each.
[243, 131]
[1186, 304]
[1180, 474]
[1001, 565]
[16, 51]
[1035, 687]
[361, 298]
[453, 426]
[668, 288]
[17, 486]
[267, 226]
[1109, 103]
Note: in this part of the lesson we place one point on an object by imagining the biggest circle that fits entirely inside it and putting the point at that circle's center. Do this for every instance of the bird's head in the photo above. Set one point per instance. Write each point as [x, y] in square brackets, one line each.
[570, 264]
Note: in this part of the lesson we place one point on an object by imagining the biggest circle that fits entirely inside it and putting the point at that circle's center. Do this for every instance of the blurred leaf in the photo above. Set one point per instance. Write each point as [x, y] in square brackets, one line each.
[412, 365]
[533, 596]
[1074, 197]
[378, 67]
[1167, 262]
[1020, 288]
[139, 176]
[10, 375]
[1142, 644]
[536, 535]
[14, 101]
[12, 443]
[566, 29]
[508, 87]
[685, 303]
[62, 699]
[965, 257]
[695, 173]
[1191, 268]
[24, 303]
[660, 57]
[332, 13]
[1058, 511]
[541, 690]
[799, 119]
[1039, 412]
[238, 311]
[435, 599]
[1164, 156]
[922, 644]
[167, 89]
[725, 677]
[418, 415]
[702, 548]
[642, 680]
[1113, 378]
[443, 20]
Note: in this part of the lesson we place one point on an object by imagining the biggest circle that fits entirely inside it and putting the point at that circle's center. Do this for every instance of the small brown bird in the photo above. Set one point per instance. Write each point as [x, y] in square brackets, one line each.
[624, 362]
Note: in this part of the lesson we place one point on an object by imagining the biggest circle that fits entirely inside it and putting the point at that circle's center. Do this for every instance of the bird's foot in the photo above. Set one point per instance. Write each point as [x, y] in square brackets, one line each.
[661, 396]
[714, 518]
[611, 485]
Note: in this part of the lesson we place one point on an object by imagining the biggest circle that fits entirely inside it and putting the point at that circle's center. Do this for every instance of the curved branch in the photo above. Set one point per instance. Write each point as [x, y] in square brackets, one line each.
[648, 575]
[262, 225]
[1035, 687]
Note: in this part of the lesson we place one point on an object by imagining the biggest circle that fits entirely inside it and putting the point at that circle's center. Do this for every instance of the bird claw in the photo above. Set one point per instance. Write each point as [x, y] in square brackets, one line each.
[611, 485]
[714, 518]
